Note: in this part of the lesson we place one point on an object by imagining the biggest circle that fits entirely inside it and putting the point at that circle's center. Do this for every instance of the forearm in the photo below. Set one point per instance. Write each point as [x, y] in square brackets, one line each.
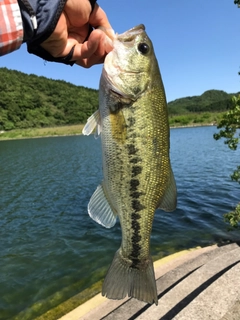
[56, 30]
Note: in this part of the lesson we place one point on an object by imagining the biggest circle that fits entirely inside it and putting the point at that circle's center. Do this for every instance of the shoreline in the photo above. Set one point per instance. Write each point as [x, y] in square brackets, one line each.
[195, 125]
[23, 134]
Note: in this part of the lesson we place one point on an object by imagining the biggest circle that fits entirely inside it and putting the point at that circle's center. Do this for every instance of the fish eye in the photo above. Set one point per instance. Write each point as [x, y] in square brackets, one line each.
[143, 48]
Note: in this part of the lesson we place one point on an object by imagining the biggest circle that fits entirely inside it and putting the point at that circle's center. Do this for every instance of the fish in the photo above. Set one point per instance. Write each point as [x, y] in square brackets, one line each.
[132, 120]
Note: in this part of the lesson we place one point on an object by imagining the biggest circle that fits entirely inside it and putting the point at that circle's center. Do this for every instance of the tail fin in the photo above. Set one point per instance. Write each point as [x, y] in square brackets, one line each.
[122, 280]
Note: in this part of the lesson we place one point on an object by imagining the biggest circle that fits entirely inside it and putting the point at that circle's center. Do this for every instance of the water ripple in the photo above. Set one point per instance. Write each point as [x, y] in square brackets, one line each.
[50, 249]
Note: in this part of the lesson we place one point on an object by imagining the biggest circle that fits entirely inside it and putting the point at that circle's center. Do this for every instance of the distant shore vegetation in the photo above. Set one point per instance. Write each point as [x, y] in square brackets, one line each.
[32, 106]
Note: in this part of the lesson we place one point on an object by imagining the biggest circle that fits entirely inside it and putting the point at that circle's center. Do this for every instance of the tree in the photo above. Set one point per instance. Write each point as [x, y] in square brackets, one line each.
[237, 2]
[230, 123]
[30, 101]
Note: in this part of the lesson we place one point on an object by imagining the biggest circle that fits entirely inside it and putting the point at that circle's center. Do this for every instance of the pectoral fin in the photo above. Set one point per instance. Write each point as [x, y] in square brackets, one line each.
[169, 200]
[100, 209]
[92, 123]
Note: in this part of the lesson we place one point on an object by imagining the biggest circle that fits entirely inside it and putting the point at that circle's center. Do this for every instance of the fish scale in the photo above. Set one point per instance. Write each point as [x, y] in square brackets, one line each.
[137, 172]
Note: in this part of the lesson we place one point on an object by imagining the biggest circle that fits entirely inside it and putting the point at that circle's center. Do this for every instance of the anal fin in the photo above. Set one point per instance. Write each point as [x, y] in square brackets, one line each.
[100, 210]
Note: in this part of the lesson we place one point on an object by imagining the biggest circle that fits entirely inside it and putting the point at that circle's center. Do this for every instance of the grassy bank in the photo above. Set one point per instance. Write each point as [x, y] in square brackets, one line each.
[195, 119]
[198, 119]
[41, 132]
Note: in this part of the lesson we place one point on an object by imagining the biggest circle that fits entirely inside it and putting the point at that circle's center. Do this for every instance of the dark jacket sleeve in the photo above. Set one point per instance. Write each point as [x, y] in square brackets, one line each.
[40, 18]
[44, 13]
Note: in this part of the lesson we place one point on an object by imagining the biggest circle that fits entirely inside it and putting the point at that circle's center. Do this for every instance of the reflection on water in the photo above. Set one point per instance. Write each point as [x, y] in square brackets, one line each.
[50, 249]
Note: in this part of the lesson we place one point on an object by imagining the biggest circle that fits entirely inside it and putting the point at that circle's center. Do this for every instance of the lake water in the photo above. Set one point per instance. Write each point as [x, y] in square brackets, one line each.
[49, 247]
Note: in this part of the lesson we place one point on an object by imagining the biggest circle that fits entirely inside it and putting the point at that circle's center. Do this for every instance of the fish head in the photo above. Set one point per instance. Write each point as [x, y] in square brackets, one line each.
[129, 66]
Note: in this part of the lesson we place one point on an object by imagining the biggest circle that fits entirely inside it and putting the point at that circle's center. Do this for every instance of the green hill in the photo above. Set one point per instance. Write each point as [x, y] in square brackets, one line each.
[209, 101]
[29, 101]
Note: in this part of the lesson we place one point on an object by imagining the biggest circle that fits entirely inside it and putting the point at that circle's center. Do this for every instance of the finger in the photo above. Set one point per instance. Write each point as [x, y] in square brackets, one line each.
[99, 18]
[78, 12]
[86, 49]
[79, 34]
[89, 62]
[97, 44]
[92, 51]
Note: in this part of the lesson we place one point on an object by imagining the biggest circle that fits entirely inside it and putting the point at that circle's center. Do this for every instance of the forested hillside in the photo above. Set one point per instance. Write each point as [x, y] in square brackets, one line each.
[209, 101]
[28, 101]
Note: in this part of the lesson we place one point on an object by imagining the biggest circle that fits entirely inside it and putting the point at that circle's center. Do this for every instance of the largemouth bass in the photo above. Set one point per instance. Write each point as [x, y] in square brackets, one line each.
[138, 178]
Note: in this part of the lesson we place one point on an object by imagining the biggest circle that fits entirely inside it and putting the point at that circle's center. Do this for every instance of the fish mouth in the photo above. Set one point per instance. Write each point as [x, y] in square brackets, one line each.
[130, 35]
[127, 36]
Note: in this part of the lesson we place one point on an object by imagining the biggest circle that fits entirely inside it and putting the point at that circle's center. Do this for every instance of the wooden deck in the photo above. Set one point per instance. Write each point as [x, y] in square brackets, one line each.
[197, 284]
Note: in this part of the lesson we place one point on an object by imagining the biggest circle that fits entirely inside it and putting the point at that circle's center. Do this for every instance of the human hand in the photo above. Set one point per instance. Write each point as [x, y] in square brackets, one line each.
[73, 28]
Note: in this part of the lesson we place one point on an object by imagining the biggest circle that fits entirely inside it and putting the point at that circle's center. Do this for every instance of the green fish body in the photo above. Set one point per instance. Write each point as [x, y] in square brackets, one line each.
[138, 178]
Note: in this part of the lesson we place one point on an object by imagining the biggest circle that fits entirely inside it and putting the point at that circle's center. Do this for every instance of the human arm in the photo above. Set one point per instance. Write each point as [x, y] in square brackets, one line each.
[78, 22]
[52, 29]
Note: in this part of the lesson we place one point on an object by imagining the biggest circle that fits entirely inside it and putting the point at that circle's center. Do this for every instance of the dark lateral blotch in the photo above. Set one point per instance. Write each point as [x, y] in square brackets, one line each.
[135, 160]
[136, 205]
[134, 183]
[135, 216]
[136, 194]
[136, 170]
[132, 149]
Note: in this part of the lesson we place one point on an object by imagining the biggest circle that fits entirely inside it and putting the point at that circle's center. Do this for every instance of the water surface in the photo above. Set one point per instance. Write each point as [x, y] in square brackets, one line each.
[50, 249]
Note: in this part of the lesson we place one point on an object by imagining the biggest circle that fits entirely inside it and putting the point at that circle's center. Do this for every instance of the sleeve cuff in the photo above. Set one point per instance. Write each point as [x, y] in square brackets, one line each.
[40, 18]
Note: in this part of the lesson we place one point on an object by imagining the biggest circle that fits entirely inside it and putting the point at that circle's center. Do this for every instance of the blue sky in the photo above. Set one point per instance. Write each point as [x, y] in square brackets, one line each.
[197, 45]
